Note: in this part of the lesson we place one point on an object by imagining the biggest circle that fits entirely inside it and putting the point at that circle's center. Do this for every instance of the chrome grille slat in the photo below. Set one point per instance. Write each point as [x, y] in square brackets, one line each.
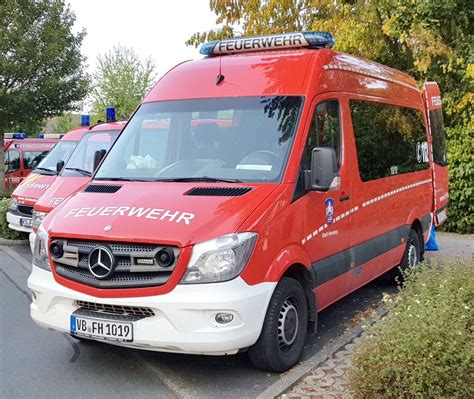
[116, 309]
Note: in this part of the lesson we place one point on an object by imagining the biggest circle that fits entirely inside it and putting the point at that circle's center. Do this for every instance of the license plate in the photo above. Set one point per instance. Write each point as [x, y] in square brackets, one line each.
[101, 328]
[442, 216]
[25, 222]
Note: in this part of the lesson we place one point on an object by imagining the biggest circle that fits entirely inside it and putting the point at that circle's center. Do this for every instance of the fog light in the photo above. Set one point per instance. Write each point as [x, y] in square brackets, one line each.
[56, 249]
[224, 318]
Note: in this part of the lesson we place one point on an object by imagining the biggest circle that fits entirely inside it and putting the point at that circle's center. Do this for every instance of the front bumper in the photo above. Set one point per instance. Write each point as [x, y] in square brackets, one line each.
[184, 318]
[14, 222]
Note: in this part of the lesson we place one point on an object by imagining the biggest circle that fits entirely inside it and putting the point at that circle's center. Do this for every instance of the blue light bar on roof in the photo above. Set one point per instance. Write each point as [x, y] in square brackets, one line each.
[269, 42]
[41, 136]
[85, 120]
[110, 115]
[19, 135]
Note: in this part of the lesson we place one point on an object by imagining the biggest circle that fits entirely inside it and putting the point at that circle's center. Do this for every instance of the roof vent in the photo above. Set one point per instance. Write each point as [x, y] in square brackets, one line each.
[102, 188]
[218, 191]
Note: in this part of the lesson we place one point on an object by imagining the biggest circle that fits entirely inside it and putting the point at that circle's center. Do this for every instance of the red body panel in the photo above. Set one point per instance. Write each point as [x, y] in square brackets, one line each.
[291, 230]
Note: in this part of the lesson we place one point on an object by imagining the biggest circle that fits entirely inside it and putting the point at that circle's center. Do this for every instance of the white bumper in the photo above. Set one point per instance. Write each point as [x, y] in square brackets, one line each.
[32, 238]
[184, 318]
[15, 224]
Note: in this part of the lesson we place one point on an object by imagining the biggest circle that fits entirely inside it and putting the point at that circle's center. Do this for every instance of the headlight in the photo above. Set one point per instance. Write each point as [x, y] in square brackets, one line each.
[37, 219]
[219, 259]
[13, 205]
[41, 252]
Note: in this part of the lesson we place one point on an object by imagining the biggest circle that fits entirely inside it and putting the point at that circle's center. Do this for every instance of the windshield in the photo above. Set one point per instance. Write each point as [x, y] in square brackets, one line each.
[91, 146]
[60, 152]
[244, 139]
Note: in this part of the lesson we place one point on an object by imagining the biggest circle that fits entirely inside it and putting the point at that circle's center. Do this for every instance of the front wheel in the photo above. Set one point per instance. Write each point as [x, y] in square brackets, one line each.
[283, 335]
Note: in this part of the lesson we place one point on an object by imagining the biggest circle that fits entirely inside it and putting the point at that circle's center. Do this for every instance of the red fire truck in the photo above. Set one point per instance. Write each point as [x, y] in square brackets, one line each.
[212, 238]
[21, 155]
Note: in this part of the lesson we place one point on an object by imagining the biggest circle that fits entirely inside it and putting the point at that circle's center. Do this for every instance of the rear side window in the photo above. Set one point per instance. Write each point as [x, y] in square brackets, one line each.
[33, 158]
[439, 139]
[390, 139]
[12, 161]
[325, 131]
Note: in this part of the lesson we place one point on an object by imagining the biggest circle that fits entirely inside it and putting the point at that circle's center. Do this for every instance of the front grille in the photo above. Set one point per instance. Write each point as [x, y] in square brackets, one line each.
[116, 309]
[135, 264]
[25, 210]
[102, 188]
[218, 191]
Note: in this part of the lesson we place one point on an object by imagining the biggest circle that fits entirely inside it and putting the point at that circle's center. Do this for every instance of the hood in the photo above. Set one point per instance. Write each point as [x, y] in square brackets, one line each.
[154, 212]
[59, 190]
[32, 188]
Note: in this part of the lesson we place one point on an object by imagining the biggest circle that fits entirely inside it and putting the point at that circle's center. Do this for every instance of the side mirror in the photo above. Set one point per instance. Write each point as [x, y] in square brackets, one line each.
[98, 156]
[34, 164]
[59, 166]
[323, 168]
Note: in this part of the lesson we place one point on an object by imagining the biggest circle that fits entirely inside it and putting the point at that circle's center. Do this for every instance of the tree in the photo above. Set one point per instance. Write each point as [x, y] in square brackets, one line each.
[121, 81]
[431, 40]
[64, 123]
[41, 66]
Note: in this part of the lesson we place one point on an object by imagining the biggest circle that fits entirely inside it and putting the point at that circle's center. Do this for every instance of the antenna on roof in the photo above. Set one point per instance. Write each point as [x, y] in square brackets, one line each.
[220, 77]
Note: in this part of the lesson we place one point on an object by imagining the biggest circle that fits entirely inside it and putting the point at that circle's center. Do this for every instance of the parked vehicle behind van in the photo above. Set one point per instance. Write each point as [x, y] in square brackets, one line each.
[44, 173]
[77, 171]
[22, 154]
[212, 237]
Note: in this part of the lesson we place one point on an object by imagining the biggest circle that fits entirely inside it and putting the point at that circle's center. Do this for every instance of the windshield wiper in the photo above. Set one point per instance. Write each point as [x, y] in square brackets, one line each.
[48, 171]
[201, 178]
[83, 172]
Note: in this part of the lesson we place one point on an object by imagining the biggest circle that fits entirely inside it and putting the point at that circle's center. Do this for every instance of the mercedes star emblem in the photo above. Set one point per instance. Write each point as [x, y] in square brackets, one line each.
[108, 228]
[101, 262]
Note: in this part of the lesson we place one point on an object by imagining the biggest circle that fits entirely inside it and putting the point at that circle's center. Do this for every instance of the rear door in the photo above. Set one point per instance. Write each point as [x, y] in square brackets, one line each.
[432, 101]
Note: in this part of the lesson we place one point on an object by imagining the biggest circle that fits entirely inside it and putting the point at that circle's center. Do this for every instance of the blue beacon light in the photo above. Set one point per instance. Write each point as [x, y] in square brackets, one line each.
[85, 120]
[110, 115]
[19, 135]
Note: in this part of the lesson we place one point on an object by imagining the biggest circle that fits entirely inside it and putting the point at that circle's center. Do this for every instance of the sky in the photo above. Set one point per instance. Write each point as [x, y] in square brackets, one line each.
[156, 28]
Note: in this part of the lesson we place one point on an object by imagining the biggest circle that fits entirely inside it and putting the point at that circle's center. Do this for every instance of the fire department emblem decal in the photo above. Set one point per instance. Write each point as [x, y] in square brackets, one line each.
[329, 203]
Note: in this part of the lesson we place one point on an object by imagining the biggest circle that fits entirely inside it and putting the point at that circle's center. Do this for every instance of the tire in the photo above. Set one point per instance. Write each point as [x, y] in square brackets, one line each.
[283, 335]
[411, 257]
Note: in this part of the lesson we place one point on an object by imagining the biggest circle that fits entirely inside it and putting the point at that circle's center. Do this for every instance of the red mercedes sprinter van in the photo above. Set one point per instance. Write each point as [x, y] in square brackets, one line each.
[45, 172]
[77, 170]
[213, 238]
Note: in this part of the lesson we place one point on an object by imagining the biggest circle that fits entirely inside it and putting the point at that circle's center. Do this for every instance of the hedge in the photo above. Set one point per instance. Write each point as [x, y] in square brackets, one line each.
[424, 348]
[5, 231]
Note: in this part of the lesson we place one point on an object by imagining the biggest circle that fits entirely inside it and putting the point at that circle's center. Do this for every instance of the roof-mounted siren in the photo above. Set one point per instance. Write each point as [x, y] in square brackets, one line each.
[110, 115]
[15, 136]
[269, 42]
[85, 120]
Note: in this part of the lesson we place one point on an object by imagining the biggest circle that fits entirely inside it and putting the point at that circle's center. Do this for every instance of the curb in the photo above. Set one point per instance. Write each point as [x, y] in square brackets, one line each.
[9, 243]
[293, 376]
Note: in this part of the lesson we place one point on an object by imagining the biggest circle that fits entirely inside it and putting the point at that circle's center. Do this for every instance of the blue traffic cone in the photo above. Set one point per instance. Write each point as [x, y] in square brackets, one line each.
[432, 245]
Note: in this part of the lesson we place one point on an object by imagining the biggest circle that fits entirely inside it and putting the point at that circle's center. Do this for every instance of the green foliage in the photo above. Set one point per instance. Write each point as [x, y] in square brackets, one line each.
[5, 231]
[424, 347]
[431, 40]
[41, 66]
[121, 81]
[64, 123]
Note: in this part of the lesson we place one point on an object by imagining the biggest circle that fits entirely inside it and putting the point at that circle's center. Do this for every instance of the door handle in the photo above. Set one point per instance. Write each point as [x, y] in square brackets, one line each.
[344, 198]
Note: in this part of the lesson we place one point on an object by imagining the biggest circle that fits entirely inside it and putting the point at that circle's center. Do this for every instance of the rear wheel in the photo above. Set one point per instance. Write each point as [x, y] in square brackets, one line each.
[411, 257]
[283, 335]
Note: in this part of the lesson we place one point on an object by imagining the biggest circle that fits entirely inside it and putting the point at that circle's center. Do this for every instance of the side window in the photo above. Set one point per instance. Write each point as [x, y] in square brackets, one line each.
[12, 161]
[439, 139]
[325, 131]
[390, 140]
[32, 157]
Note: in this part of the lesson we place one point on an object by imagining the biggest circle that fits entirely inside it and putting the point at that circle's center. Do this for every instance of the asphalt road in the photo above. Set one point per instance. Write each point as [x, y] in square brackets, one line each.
[46, 364]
